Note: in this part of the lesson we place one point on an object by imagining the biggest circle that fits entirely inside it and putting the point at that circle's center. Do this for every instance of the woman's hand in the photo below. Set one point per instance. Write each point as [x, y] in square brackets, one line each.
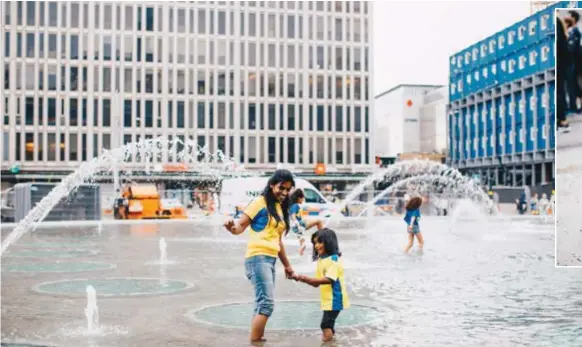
[289, 273]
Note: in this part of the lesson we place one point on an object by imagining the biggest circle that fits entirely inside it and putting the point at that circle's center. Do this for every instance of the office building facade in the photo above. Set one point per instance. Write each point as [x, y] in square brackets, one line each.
[264, 82]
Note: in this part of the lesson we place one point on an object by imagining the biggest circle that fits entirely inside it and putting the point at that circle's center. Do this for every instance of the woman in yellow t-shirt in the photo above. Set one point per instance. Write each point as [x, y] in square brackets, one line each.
[268, 218]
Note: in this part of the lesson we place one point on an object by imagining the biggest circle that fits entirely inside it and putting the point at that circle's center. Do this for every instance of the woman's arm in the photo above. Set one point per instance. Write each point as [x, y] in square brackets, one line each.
[239, 226]
[283, 257]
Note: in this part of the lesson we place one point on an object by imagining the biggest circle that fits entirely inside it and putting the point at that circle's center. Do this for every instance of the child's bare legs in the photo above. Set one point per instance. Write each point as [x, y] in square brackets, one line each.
[327, 335]
[420, 241]
[410, 242]
[301, 246]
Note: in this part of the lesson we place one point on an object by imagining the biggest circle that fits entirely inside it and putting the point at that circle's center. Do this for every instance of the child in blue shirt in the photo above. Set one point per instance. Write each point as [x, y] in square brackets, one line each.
[411, 218]
[298, 224]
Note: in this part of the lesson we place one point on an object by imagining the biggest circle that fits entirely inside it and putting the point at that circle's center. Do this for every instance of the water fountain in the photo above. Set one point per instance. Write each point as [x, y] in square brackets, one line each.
[417, 171]
[92, 311]
[163, 251]
[110, 160]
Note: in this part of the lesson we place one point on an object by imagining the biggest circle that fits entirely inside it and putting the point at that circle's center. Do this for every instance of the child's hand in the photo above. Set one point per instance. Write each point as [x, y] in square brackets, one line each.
[410, 227]
[229, 224]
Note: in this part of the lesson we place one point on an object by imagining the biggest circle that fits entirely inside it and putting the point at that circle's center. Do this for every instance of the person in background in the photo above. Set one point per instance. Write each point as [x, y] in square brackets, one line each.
[543, 204]
[298, 224]
[574, 64]
[413, 227]
[561, 71]
[533, 204]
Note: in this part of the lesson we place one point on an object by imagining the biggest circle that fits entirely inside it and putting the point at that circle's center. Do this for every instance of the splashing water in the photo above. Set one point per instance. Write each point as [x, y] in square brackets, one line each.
[216, 166]
[91, 311]
[422, 172]
[163, 251]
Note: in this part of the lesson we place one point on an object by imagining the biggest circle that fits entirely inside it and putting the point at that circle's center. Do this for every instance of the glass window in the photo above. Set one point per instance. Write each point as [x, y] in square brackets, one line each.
[201, 22]
[180, 114]
[30, 45]
[149, 19]
[221, 115]
[181, 20]
[128, 17]
[221, 23]
[30, 12]
[272, 55]
[291, 26]
[74, 49]
[252, 25]
[201, 48]
[320, 118]
[252, 116]
[107, 17]
[291, 117]
[201, 118]
[271, 25]
[64, 16]
[338, 30]
[357, 119]
[7, 12]
[52, 46]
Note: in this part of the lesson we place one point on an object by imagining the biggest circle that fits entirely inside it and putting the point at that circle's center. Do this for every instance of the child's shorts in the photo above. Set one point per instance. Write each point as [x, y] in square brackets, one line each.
[328, 320]
[415, 229]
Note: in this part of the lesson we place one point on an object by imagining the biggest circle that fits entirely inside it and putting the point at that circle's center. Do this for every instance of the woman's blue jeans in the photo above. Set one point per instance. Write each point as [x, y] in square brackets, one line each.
[260, 270]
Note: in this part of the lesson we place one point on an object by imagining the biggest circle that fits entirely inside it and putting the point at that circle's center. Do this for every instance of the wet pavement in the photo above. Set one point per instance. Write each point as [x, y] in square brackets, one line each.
[569, 192]
[479, 283]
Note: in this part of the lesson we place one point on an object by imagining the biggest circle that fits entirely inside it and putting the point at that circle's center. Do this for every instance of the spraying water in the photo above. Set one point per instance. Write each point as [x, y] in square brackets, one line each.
[163, 251]
[427, 171]
[91, 311]
[110, 160]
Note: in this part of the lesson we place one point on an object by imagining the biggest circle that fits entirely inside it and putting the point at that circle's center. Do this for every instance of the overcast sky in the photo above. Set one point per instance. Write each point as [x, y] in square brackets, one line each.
[414, 40]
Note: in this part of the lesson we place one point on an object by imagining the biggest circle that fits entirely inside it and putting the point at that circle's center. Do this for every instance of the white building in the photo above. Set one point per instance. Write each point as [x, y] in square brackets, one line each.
[265, 82]
[410, 118]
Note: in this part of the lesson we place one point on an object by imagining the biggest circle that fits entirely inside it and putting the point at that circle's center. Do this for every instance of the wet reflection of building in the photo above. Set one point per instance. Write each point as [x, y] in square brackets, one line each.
[265, 82]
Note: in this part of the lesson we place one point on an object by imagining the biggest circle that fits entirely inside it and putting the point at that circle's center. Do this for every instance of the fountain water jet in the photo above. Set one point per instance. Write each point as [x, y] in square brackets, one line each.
[91, 311]
[163, 251]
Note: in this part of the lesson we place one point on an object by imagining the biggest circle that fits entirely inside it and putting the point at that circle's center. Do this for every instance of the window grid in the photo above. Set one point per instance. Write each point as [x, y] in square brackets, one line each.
[80, 69]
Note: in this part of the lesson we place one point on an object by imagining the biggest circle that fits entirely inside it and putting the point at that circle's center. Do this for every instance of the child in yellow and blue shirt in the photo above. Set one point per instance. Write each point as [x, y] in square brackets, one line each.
[329, 277]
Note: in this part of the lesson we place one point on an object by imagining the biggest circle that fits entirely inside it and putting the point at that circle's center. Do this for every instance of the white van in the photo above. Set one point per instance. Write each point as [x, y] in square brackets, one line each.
[237, 193]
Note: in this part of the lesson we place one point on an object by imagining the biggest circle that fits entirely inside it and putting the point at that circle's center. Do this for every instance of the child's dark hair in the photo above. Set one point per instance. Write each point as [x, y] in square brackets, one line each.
[414, 203]
[329, 240]
[297, 194]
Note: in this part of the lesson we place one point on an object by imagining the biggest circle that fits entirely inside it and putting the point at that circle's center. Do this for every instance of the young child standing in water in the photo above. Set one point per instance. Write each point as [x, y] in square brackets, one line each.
[411, 218]
[329, 277]
[298, 225]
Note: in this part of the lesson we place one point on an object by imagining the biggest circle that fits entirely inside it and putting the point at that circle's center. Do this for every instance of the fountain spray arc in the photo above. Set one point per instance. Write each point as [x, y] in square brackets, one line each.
[417, 168]
[465, 188]
[216, 166]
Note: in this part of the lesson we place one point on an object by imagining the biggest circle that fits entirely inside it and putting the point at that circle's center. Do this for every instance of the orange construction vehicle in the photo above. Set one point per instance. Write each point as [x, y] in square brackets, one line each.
[143, 202]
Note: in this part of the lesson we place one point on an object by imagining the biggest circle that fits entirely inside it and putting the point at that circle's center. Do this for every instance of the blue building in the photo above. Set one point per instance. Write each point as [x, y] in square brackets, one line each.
[501, 114]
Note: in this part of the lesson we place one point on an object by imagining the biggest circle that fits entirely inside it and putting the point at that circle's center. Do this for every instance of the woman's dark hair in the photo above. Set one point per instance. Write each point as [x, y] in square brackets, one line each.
[297, 194]
[329, 240]
[414, 203]
[279, 176]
